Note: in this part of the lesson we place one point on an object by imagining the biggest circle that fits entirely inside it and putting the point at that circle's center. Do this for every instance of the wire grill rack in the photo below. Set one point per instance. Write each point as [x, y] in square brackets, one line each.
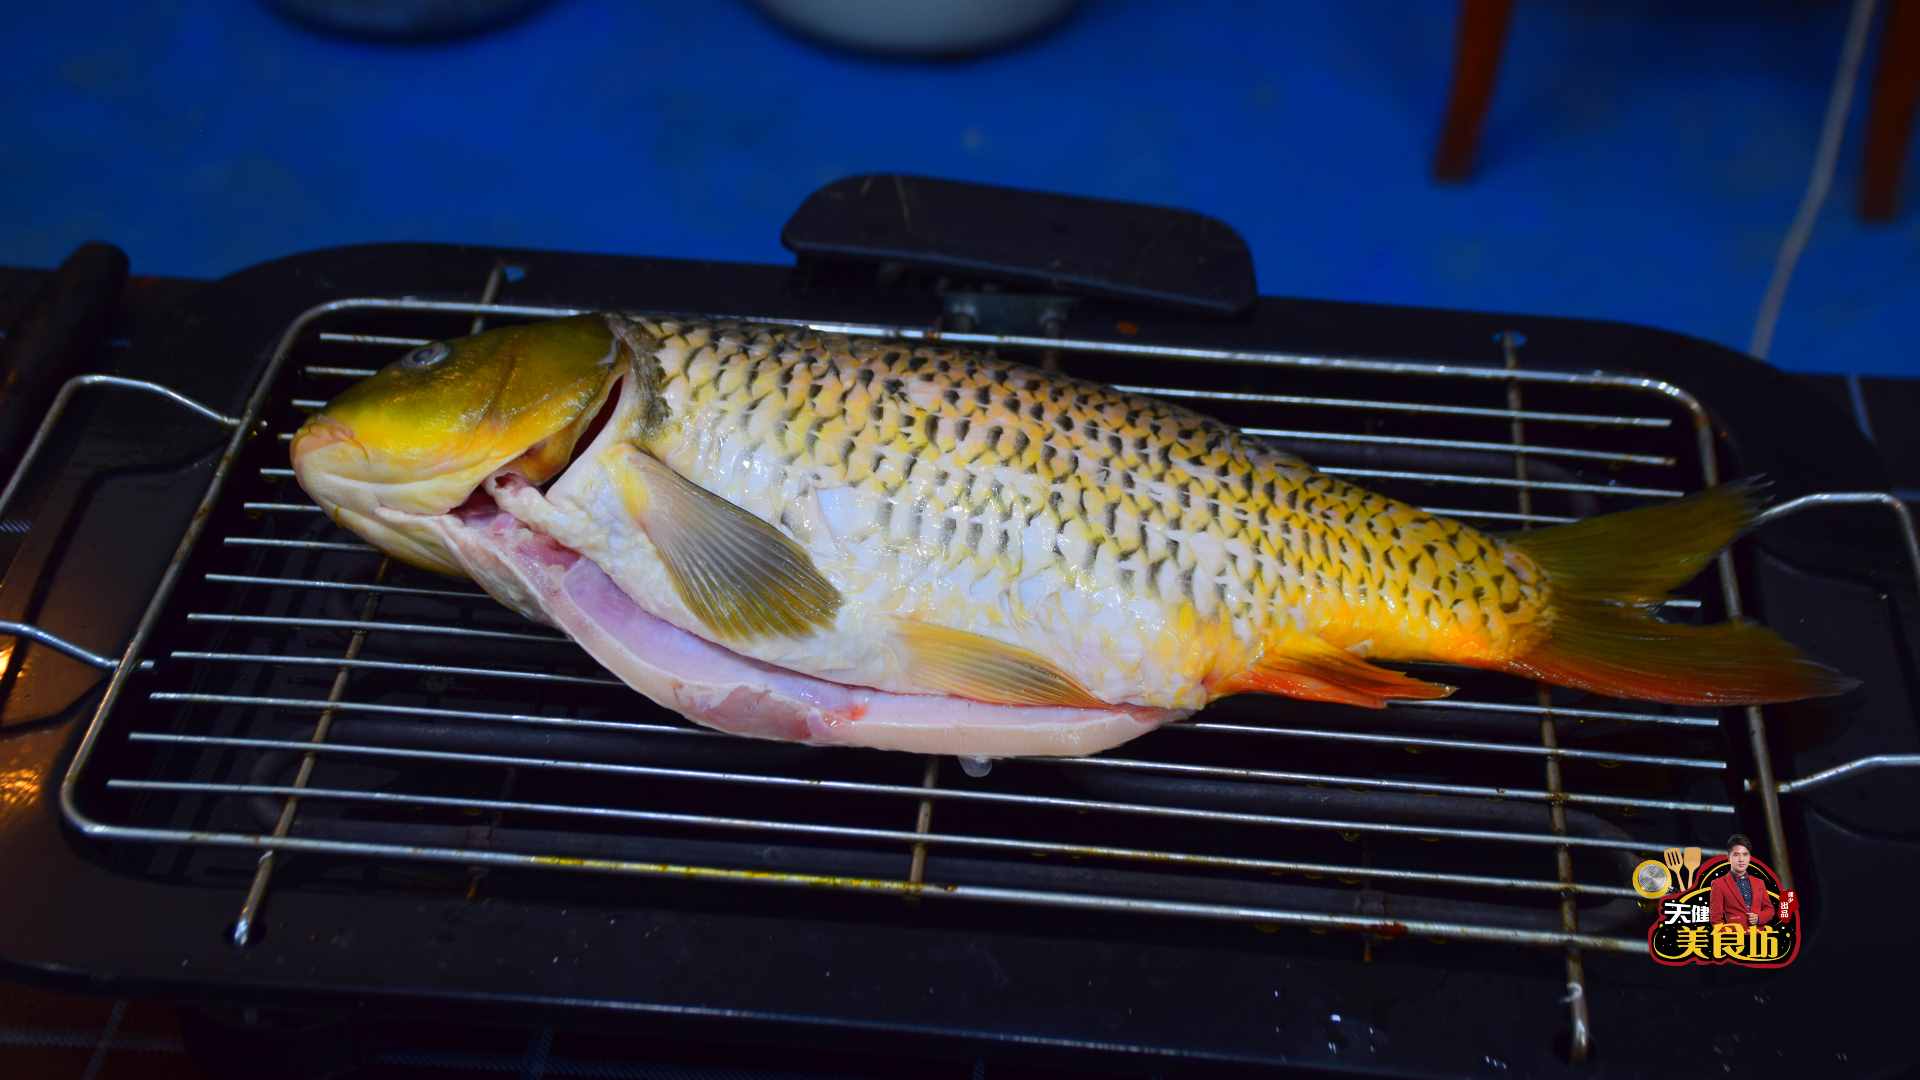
[290, 690]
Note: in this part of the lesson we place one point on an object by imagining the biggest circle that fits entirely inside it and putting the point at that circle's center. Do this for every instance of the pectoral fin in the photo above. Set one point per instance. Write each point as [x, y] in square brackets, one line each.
[968, 665]
[1311, 669]
[739, 575]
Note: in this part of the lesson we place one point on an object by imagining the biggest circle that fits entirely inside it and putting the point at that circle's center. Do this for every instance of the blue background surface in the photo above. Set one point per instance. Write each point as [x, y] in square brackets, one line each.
[1639, 163]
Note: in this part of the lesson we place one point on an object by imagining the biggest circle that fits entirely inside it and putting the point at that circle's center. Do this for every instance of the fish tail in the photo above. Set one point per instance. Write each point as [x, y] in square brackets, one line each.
[1605, 576]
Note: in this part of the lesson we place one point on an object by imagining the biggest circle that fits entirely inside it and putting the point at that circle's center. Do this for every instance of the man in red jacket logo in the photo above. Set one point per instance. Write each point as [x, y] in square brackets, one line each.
[1723, 916]
[1738, 896]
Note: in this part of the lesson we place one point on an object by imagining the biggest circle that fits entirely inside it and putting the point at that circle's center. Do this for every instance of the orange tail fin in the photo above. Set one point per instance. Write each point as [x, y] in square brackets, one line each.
[1606, 575]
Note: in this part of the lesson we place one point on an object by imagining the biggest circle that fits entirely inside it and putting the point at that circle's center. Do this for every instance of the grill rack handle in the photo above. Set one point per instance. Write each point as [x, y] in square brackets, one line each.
[68, 391]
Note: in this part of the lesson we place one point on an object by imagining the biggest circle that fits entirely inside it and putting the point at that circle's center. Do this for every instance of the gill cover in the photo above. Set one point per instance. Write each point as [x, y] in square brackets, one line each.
[417, 437]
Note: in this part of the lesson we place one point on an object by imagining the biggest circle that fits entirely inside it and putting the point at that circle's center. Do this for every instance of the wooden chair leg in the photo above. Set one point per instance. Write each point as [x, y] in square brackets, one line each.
[1896, 91]
[1477, 47]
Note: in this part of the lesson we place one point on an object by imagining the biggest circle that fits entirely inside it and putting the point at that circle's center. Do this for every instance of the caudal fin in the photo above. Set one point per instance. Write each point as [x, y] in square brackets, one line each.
[1606, 574]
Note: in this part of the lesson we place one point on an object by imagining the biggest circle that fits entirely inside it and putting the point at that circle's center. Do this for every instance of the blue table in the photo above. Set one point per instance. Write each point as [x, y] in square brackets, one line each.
[1638, 165]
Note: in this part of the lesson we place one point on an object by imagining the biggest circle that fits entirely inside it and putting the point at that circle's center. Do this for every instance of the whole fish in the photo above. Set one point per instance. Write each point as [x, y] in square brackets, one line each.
[802, 536]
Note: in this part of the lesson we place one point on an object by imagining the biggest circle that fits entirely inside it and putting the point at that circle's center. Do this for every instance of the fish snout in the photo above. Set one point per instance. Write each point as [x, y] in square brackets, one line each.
[330, 464]
[316, 435]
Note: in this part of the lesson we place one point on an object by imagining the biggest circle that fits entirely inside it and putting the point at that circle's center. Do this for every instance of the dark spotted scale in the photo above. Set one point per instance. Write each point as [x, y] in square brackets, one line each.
[932, 468]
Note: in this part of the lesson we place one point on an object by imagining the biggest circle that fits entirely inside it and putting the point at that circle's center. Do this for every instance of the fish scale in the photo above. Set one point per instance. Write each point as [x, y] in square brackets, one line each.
[1003, 472]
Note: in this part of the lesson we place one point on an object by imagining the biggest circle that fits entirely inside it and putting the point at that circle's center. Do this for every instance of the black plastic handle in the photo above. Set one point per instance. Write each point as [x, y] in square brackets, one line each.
[1075, 246]
[62, 327]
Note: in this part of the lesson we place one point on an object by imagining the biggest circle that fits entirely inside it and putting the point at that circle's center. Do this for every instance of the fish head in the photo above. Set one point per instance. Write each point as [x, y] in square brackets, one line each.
[419, 437]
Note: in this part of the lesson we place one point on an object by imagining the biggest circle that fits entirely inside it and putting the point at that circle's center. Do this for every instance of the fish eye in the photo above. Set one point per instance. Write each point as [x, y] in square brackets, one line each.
[426, 356]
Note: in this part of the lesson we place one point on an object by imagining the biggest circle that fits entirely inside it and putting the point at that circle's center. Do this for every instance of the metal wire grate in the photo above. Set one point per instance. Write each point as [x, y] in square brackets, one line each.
[307, 695]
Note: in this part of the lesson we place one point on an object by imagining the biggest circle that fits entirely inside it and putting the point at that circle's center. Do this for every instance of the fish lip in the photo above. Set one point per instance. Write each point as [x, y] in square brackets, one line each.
[319, 433]
[323, 454]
